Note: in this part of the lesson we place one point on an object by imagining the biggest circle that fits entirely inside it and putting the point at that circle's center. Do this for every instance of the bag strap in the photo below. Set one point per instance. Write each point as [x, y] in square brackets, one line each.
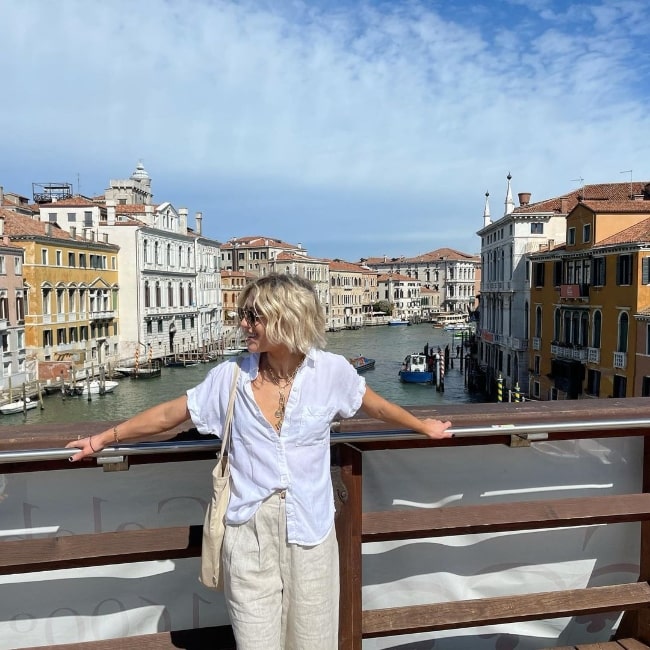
[227, 425]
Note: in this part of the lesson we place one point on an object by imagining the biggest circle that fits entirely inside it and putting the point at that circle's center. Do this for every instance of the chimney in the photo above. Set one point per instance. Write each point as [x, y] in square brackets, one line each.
[199, 220]
[182, 216]
[2, 224]
[2, 195]
[73, 232]
[564, 205]
[48, 228]
[524, 198]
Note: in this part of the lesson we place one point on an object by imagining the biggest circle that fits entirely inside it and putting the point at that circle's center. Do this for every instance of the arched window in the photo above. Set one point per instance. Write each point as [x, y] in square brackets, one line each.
[557, 324]
[623, 324]
[181, 295]
[538, 321]
[158, 295]
[584, 330]
[597, 329]
[147, 294]
[145, 249]
[190, 294]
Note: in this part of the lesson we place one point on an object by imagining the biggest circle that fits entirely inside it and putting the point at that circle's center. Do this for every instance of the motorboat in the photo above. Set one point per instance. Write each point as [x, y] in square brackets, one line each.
[18, 406]
[415, 370]
[232, 351]
[95, 387]
[143, 371]
[398, 321]
[361, 363]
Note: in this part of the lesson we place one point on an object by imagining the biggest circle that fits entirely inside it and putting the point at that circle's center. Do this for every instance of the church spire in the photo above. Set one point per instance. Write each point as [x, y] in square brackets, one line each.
[486, 211]
[510, 204]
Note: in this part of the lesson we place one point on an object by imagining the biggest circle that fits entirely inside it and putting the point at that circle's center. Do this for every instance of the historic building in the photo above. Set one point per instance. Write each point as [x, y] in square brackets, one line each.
[297, 262]
[163, 311]
[590, 299]
[451, 277]
[403, 292]
[15, 369]
[348, 291]
[505, 295]
[255, 254]
[71, 293]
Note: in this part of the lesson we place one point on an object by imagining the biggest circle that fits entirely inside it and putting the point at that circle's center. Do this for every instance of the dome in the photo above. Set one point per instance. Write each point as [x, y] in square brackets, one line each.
[140, 173]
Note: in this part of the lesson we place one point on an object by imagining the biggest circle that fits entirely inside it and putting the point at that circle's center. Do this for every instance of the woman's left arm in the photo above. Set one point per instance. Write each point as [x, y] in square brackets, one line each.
[379, 408]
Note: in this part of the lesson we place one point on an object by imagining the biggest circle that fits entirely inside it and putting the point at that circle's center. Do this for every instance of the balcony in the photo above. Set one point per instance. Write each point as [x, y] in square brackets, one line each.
[593, 355]
[572, 291]
[107, 314]
[620, 360]
[570, 351]
[4, 323]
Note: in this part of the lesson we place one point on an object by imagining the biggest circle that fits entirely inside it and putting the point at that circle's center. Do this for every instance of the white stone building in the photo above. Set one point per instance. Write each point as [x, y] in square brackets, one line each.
[452, 277]
[403, 292]
[505, 281]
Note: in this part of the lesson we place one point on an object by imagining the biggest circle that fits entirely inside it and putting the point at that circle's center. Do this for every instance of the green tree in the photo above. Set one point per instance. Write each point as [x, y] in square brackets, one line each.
[383, 305]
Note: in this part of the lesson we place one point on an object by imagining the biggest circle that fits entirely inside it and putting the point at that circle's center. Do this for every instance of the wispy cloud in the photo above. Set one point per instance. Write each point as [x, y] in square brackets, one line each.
[288, 117]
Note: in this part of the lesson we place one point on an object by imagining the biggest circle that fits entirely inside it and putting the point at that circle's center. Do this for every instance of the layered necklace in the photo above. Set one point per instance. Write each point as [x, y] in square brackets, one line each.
[282, 383]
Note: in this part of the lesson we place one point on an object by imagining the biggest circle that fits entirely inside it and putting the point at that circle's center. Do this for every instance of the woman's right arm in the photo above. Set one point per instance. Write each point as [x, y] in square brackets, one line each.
[157, 419]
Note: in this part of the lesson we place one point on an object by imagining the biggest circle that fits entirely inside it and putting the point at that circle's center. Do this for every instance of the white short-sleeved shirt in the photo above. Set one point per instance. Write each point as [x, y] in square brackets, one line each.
[298, 459]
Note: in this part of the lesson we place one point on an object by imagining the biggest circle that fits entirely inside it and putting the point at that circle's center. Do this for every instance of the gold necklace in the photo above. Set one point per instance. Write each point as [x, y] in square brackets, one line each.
[282, 401]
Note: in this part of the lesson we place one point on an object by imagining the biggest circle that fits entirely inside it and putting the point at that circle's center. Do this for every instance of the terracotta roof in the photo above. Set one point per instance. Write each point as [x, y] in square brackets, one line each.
[601, 191]
[607, 206]
[433, 256]
[257, 241]
[342, 265]
[396, 277]
[20, 225]
[132, 208]
[73, 202]
[638, 233]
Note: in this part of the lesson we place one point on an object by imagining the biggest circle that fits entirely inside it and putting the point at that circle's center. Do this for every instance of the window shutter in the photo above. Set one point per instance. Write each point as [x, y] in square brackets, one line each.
[645, 270]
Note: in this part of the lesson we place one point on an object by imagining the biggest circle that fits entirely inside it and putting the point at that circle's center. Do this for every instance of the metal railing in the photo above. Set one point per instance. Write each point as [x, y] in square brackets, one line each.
[532, 432]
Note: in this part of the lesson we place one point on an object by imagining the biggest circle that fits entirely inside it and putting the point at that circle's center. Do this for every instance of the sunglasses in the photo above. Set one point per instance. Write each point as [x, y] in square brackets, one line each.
[249, 314]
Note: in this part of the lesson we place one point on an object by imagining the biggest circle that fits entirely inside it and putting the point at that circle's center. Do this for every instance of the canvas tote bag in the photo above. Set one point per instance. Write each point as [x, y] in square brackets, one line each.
[214, 527]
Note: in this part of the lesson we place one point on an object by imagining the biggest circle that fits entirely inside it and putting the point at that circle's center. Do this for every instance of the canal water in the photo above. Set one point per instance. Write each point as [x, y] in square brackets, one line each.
[387, 345]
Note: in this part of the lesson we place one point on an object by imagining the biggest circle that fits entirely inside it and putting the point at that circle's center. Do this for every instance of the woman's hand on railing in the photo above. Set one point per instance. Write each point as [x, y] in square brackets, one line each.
[436, 429]
[87, 447]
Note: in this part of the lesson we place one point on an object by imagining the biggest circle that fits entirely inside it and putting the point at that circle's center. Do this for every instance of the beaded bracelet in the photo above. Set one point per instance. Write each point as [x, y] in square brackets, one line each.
[117, 439]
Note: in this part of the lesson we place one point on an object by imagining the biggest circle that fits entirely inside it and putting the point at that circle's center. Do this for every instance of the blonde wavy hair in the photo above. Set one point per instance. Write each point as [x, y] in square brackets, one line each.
[290, 306]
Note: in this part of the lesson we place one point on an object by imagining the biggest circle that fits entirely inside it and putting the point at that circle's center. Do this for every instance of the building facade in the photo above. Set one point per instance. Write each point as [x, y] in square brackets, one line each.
[71, 295]
[590, 298]
[505, 294]
[452, 277]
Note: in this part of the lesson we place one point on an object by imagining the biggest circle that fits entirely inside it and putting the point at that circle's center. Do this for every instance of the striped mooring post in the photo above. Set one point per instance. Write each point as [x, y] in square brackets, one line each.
[517, 393]
[499, 388]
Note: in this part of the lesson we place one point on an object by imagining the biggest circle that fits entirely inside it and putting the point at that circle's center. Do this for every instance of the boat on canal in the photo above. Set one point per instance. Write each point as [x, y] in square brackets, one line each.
[361, 363]
[415, 370]
[146, 371]
[95, 387]
[18, 406]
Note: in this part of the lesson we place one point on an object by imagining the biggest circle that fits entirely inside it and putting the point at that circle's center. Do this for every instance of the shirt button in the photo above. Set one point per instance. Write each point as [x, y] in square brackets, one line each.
[283, 493]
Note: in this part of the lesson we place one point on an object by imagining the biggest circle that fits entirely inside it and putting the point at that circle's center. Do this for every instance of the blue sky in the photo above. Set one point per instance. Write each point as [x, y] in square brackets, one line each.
[355, 128]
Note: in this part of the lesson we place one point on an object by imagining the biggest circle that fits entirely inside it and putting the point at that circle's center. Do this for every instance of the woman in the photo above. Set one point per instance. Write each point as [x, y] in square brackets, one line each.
[280, 555]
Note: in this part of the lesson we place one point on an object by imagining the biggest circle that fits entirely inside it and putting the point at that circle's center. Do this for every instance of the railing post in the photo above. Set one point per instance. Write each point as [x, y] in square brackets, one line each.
[348, 531]
[636, 624]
